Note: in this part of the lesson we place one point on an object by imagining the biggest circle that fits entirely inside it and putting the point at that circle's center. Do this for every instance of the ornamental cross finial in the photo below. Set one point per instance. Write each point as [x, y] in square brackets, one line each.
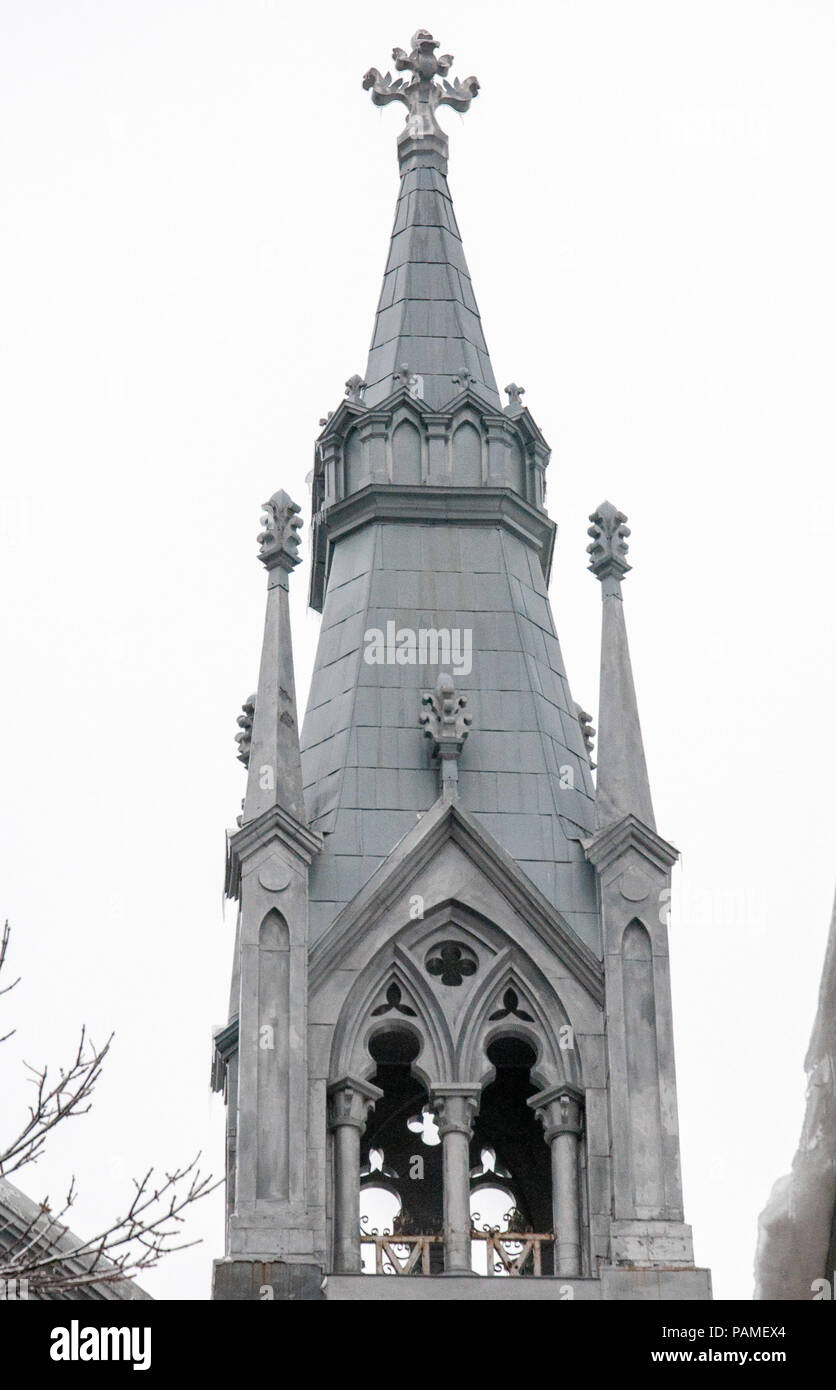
[608, 551]
[444, 721]
[423, 94]
[279, 541]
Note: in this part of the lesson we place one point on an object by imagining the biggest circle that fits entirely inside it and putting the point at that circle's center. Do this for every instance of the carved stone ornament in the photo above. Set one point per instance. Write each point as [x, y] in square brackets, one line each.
[412, 382]
[451, 962]
[587, 731]
[510, 1008]
[443, 718]
[422, 95]
[279, 541]
[394, 1003]
[245, 724]
[608, 551]
[355, 389]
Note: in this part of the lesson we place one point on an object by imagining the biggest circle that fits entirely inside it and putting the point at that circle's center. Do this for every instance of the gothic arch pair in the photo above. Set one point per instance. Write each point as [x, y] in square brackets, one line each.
[509, 996]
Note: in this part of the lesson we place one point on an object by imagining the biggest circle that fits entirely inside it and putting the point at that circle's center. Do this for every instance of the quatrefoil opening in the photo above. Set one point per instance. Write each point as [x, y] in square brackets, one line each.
[451, 962]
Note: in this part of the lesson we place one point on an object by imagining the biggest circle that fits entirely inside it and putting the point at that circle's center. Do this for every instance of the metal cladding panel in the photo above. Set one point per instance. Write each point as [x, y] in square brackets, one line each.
[524, 771]
[427, 316]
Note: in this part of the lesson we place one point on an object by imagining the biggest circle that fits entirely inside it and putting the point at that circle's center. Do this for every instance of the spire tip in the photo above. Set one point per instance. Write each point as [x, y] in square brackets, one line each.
[423, 95]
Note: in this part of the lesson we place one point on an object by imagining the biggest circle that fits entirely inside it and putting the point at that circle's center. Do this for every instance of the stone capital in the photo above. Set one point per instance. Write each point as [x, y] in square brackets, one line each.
[559, 1109]
[456, 1106]
[349, 1102]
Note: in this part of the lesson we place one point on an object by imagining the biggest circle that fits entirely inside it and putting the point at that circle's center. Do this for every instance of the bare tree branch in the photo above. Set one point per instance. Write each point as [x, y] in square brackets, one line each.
[4, 946]
[41, 1248]
[68, 1096]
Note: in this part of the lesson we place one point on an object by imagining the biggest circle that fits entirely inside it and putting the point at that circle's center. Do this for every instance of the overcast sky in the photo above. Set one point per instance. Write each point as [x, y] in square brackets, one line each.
[195, 204]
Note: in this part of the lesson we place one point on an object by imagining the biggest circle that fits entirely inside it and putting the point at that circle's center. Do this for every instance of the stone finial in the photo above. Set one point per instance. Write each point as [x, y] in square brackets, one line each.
[423, 94]
[587, 731]
[414, 384]
[444, 721]
[245, 724]
[514, 393]
[608, 551]
[279, 541]
[355, 389]
[466, 380]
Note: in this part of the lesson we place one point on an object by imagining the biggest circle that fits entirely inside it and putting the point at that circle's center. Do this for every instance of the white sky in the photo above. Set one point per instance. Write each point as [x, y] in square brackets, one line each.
[195, 204]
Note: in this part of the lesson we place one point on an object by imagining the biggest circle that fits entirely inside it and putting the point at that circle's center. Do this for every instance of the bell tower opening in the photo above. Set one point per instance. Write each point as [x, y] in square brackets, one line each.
[510, 1178]
[401, 1193]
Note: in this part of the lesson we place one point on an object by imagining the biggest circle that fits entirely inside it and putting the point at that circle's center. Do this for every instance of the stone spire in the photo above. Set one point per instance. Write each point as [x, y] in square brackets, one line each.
[623, 786]
[271, 744]
[427, 323]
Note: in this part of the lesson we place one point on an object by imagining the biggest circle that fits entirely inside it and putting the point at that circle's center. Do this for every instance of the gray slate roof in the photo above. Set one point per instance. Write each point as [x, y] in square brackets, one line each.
[427, 316]
[524, 772]
[19, 1215]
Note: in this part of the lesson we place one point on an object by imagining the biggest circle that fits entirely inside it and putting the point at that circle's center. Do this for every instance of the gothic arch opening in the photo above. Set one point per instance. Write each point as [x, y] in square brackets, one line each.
[401, 1189]
[509, 1158]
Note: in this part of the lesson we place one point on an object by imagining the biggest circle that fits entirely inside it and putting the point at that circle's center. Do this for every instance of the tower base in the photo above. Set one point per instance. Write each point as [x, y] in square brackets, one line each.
[257, 1281]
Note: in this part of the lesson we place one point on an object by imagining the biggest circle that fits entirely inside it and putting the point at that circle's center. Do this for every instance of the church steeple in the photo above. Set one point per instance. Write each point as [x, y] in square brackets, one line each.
[427, 328]
[438, 929]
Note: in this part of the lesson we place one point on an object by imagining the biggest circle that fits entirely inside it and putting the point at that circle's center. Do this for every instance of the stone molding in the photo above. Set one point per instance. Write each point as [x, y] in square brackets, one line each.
[615, 840]
[273, 824]
[388, 883]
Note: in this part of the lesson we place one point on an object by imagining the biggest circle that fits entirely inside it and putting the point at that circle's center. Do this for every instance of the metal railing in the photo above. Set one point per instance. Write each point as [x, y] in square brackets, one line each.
[512, 1253]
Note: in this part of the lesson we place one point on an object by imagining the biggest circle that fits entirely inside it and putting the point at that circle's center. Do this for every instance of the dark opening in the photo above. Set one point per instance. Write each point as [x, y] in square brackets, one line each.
[507, 1127]
[400, 1150]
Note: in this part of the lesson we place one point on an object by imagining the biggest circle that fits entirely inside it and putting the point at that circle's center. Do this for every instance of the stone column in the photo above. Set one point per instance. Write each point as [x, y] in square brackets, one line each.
[349, 1102]
[456, 1106]
[560, 1109]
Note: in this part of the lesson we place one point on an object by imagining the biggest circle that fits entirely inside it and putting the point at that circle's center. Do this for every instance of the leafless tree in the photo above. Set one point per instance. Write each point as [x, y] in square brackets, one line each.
[39, 1248]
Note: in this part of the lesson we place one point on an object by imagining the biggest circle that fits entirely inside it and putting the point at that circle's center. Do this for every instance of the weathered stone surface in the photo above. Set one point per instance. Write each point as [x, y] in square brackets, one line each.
[254, 1281]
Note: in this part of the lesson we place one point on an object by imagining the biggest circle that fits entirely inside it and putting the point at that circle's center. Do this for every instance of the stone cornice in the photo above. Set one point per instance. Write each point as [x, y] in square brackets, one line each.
[350, 413]
[273, 824]
[424, 502]
[225, 1045]
[388, 884]
[614, 840]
